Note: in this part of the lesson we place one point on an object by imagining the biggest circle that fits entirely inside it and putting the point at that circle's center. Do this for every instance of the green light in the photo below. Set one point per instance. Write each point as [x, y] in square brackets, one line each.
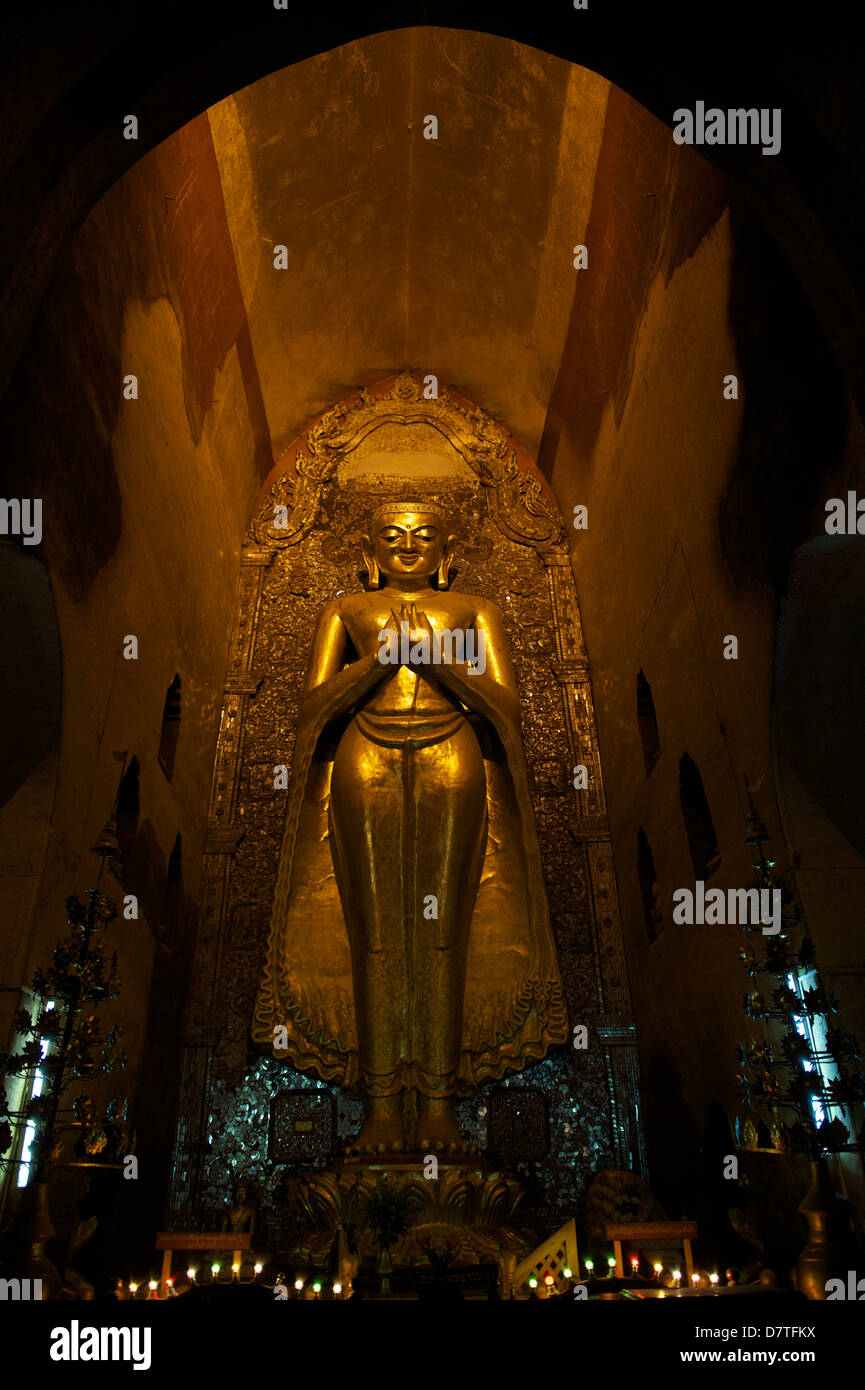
[533, 1283]
[590, 1264]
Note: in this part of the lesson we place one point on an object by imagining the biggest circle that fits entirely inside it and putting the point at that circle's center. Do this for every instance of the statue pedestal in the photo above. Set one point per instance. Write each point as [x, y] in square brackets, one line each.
[465, 1214]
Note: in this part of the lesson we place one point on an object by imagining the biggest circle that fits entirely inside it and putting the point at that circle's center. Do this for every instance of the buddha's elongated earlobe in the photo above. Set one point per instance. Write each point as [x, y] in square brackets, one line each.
[373, 575]
[443, 573]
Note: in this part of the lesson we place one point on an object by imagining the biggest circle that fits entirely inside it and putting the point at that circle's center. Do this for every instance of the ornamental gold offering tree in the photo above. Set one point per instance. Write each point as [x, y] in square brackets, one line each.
[410, 954]
[64, 1044]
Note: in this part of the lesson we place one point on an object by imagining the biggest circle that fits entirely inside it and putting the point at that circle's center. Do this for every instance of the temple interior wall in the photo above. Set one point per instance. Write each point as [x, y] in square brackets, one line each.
[452, 257]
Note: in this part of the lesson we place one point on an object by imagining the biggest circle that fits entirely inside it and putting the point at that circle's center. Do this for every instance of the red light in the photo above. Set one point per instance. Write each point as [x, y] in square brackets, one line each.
[548, 1279]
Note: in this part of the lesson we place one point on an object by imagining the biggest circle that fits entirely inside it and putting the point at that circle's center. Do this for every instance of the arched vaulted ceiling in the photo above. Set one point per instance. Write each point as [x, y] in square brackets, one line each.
[75, 71]
[454, 255]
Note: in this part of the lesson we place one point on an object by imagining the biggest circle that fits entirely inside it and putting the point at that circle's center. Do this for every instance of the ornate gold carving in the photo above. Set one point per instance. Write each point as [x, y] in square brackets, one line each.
[478, 1208]
[512, 551]
[516, 502]
[522, 511]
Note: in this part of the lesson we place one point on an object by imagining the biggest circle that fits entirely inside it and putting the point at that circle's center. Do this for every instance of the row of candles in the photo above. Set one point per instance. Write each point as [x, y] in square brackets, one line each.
[589, 1265]
[215, 1270]
[300, 1284]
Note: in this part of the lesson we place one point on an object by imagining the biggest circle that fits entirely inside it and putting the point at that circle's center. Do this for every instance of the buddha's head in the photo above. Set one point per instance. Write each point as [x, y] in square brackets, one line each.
[407, 546]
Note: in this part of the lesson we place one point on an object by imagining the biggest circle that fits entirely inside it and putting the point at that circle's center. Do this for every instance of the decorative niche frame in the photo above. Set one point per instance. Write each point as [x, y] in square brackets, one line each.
[302, 548]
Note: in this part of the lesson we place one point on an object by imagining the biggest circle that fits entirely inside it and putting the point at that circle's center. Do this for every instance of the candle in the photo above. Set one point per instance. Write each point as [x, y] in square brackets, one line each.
[190, 1274]
[713, 1278]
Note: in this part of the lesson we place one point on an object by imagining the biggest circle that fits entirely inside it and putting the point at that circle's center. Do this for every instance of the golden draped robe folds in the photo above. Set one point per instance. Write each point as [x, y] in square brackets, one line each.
[513, 1008]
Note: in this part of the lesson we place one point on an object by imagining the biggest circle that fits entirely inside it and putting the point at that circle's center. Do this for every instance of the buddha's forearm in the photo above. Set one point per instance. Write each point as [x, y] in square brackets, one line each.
[482, 693]
[342, 689]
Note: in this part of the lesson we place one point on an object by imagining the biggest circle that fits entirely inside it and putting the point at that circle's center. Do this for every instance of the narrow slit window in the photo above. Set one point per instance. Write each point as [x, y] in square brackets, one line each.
[127, 813]
[170, 729]
[699, 827]
[647, 723]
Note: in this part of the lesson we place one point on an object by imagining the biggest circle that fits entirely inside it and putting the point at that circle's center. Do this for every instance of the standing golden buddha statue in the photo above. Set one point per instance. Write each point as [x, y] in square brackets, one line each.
[410, 954]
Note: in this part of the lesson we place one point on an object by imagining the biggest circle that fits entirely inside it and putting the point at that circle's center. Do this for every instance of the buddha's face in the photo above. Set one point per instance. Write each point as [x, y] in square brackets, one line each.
[408, 545]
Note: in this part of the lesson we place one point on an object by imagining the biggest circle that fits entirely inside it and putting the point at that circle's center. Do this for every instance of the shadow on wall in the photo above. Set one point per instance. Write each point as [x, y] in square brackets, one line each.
[820, 681]
[30, 714]
[794, 414]
[672, 1139]
[30, 684]
[720, 1240]
[133, 1211]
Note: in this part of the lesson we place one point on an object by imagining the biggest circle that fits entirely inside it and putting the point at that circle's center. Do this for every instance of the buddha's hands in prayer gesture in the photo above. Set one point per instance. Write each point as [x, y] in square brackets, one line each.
[418, 625]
